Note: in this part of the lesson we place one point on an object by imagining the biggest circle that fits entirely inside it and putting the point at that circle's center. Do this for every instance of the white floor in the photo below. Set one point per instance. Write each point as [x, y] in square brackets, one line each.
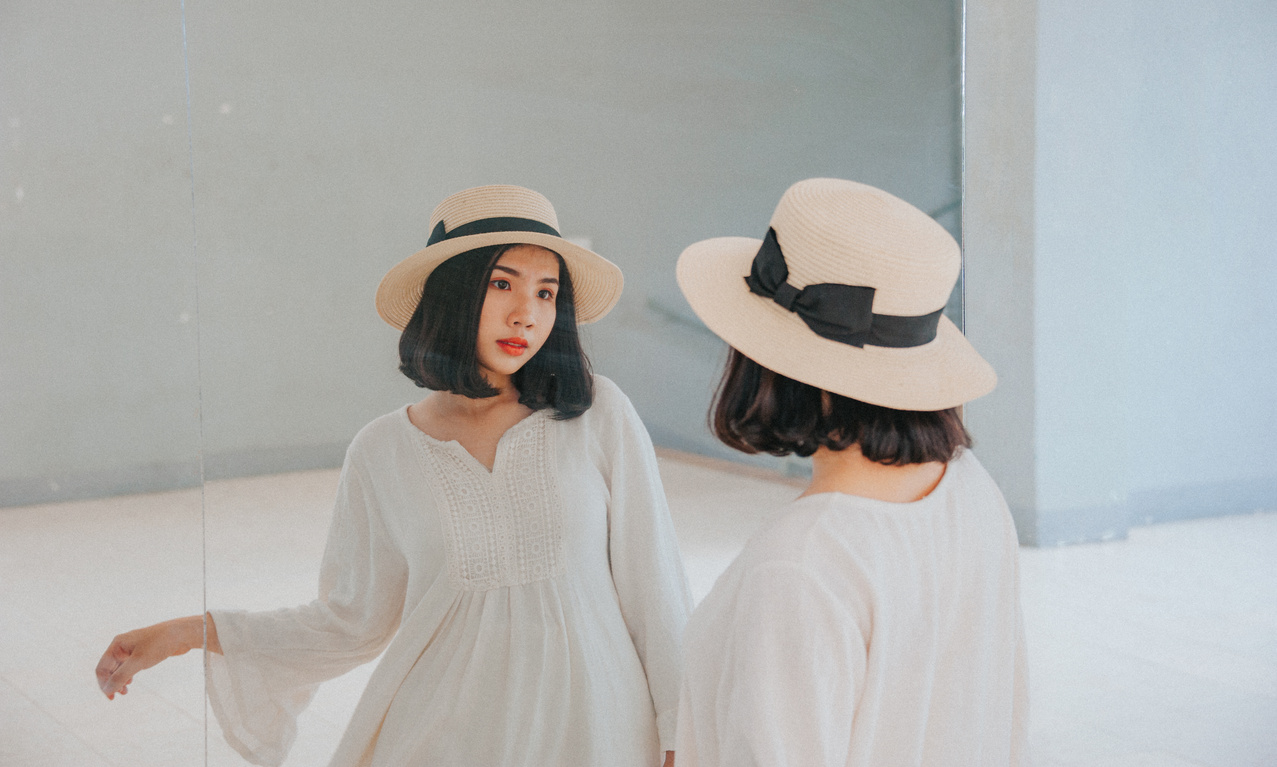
[1157, 650]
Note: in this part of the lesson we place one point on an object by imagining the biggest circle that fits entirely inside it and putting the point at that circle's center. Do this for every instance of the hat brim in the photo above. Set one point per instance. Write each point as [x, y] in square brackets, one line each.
[596, 282]
[938, 375]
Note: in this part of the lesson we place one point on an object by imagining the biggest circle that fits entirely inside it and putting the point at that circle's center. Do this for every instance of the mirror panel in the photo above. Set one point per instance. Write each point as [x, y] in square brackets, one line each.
[324, 136]
[100, 512]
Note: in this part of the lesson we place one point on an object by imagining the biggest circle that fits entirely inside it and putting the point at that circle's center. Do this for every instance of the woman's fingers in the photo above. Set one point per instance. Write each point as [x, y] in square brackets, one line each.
[135, 651]
[111, 661]
[117, 679]
[122, 677]
[128, 654]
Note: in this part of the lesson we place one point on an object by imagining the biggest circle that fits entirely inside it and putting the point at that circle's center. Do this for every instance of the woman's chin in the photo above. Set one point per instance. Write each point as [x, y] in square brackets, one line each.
[500, 370]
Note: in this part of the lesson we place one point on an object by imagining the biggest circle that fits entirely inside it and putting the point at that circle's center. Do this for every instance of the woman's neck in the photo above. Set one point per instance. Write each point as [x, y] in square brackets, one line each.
[476, 424]
[450, 405]
[850, 472]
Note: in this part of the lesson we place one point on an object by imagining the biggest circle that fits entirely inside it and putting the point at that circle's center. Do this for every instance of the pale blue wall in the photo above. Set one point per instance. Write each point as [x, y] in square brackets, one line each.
[1155, 299]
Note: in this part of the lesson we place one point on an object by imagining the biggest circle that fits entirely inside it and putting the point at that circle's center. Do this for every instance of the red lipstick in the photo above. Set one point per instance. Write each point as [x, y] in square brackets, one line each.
[513, 346]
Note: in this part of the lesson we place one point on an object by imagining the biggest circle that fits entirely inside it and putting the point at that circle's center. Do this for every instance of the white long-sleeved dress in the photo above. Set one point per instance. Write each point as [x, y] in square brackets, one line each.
[853, 631]
[529, 616]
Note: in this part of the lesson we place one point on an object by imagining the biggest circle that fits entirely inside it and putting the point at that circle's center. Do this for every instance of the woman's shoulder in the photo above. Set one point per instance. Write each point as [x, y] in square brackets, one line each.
[786, 557]
[971, 483]
[607, 394]
[611, 416]
[792, 530]
[827, 536]
[610, 403]
[380, 433]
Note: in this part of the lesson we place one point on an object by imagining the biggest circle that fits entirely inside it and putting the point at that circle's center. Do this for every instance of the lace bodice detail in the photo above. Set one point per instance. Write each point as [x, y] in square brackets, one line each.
[503, 528]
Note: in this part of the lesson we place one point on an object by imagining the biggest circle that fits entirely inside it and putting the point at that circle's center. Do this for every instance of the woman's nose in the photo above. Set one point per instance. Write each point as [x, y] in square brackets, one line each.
[521, 313]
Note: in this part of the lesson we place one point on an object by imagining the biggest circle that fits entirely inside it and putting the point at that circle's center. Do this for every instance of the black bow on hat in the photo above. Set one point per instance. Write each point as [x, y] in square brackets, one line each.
[842, 313]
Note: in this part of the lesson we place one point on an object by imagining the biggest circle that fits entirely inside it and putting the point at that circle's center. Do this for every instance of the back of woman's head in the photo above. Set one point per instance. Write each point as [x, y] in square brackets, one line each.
[437, 349]
[757, 410]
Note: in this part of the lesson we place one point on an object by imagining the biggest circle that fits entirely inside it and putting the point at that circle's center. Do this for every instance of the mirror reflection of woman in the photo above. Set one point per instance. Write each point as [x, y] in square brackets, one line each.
[505, 540]
[876, 619]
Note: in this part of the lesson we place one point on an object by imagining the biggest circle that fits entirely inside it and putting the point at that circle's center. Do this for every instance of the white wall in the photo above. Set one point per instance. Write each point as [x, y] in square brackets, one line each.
[98, 379]
[1154, 282]
[998, 241]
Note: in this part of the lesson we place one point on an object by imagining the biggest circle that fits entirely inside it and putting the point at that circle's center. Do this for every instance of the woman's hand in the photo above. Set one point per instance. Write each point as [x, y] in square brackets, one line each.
[669, 759]
[134, 651]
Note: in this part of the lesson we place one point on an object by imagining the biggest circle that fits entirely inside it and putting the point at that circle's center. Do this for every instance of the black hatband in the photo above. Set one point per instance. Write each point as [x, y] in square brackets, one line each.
[489, 226]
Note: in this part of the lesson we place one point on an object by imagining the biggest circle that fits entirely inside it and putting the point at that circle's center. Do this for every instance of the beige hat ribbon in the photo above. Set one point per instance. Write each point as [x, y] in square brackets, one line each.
[842, 313]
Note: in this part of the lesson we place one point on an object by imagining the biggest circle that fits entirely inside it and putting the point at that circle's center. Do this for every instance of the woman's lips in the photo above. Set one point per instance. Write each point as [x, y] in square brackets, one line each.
[513, 346]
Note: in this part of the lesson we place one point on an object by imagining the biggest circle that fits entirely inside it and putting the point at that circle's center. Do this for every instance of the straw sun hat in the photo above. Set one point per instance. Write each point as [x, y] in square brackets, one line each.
[497, 215]
[845, 293]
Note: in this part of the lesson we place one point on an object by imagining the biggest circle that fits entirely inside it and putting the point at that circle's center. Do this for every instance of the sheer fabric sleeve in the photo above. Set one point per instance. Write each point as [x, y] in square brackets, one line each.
[647, 569]
[273, 661]
[789, 669]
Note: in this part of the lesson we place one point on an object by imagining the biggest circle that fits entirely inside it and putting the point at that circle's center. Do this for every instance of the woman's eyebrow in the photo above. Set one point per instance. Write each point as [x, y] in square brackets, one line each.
[515, 273]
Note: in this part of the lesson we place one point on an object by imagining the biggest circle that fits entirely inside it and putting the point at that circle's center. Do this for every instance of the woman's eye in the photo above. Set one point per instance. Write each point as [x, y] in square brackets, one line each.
[546, 294]
[501, 284]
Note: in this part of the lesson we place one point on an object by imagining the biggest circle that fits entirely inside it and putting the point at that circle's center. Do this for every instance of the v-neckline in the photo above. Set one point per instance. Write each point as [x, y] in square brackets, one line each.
[475, 464]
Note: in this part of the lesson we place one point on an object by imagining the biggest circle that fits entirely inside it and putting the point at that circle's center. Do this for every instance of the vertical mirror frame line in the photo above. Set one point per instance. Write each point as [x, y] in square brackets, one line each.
[962, 177]
[199, 378]
[962, 162]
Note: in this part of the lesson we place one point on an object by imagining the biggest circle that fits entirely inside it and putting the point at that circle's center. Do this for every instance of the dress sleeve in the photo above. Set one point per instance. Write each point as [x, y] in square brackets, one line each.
[789, 670]
[273, 661]
[647, 569]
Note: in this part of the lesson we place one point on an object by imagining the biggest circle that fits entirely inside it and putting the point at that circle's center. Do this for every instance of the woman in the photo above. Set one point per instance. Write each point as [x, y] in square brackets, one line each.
[505, 540]
[875, 620]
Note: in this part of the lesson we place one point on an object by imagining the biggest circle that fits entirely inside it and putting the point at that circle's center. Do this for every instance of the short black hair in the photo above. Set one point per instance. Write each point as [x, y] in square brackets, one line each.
[757, 410]
[437, 347]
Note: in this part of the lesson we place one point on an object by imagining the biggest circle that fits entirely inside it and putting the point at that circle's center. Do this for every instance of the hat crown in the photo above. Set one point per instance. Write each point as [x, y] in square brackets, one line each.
[493, 201]
[843, 232]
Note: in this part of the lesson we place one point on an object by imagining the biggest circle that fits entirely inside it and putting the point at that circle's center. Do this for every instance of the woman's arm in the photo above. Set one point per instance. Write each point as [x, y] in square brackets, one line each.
[138, 650]
[776, 679]
[647, 569]
[273, 661]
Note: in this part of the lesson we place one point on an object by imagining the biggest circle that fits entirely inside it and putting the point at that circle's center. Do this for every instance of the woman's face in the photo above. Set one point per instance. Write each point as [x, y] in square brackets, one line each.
[518, 311]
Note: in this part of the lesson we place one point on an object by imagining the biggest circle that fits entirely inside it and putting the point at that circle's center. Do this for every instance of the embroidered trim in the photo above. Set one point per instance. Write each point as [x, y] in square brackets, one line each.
[500, 532]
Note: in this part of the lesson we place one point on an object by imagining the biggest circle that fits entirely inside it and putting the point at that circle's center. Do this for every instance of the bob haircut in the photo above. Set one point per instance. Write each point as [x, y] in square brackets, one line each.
[437, 347]
[757, 410]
